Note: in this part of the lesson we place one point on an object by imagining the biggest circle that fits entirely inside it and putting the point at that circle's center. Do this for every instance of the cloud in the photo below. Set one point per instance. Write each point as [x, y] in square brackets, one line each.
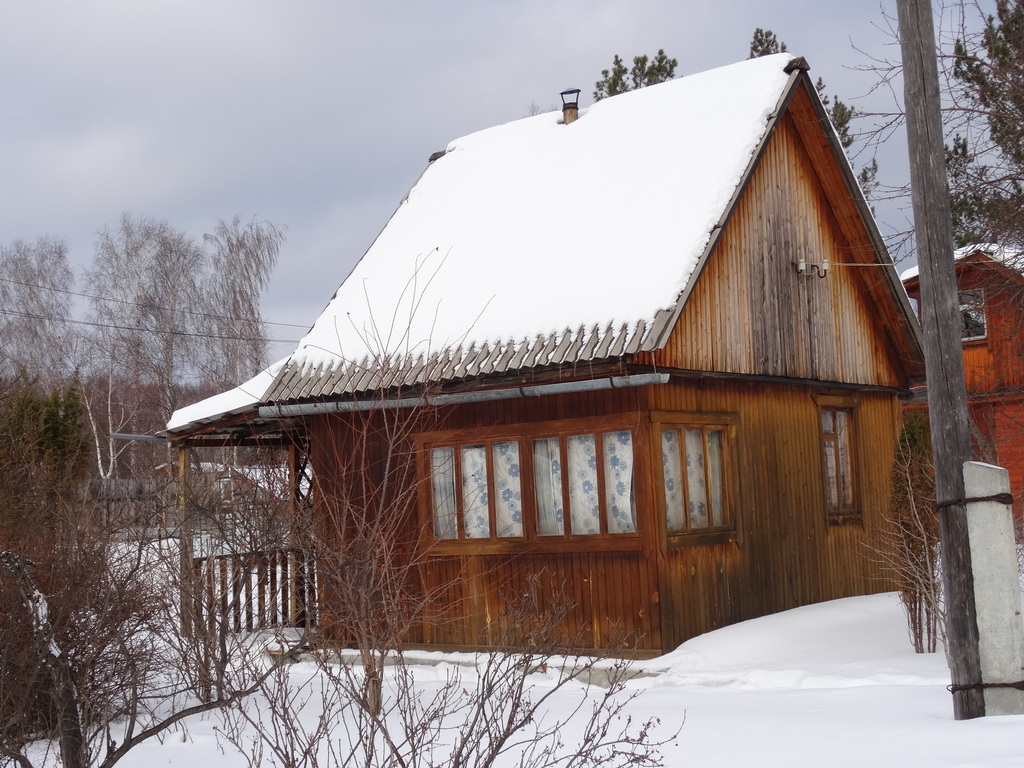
[316, 115]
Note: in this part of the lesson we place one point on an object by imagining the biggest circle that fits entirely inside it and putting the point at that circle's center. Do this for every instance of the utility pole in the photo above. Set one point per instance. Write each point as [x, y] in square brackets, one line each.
[940, 318]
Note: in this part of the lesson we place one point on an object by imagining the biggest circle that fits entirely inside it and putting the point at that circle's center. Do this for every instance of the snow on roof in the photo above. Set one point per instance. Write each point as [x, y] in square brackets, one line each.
[237, 400]
[535, 230]
[1010, 257]
[535, 227]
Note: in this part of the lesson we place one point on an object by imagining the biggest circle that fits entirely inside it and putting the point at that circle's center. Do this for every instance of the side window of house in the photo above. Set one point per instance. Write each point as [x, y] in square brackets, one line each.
[697, 476]
[837, 452]
[580, 485]
[695, 471]
[972, 315]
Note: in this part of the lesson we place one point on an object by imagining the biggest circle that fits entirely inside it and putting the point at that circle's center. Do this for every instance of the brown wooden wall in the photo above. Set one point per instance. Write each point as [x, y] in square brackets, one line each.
[785, 552]
[750, 311]
[654, 593]
[994, 367]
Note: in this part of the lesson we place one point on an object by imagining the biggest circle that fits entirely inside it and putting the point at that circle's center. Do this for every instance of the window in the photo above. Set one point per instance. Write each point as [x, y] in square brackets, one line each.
[972, 315]
[464, 480]
[694, 470]
[594, 473]
[534, 487]
[837, 451]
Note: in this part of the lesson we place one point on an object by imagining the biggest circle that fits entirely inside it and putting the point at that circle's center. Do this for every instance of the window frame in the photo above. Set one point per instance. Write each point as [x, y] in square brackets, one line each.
[966, 307]
[840, 515]
[525, 434]
[727, 424]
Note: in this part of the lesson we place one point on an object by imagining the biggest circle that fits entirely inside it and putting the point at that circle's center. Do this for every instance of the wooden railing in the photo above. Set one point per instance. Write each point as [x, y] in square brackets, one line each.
[256, 590]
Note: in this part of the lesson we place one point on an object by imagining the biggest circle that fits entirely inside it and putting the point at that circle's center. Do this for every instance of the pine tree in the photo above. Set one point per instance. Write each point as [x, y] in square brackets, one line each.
[985, 164]
[765, 43]
[840, 114]
[644, 72]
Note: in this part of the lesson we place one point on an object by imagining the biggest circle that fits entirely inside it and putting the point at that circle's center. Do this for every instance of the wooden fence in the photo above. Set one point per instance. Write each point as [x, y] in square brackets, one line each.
[257, 590]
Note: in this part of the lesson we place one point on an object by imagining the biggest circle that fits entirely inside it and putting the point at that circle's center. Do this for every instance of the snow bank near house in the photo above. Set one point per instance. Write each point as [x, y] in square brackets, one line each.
[833, 684]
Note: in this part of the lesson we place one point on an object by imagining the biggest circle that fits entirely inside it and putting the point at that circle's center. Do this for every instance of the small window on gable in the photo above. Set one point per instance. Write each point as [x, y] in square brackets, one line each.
[972, 315]
[695, 475]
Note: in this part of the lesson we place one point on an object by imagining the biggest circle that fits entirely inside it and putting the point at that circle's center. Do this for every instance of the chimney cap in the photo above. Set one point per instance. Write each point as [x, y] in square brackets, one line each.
[573, 93]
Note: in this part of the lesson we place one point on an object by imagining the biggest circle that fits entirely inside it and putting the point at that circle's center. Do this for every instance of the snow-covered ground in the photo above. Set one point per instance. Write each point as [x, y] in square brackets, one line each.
[835, 684]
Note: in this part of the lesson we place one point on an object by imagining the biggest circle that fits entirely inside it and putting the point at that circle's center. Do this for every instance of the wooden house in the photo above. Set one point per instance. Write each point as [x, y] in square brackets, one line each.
[656, 349]
[990, 285]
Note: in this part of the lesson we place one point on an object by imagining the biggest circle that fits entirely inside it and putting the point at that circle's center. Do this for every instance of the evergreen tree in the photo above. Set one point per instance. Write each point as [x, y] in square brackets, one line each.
[985, 164]
[765, 43]
[644, 72]
[44, 454]
[840, 114]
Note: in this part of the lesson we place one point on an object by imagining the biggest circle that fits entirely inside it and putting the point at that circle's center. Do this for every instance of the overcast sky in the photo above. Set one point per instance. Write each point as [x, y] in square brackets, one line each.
[318, 116]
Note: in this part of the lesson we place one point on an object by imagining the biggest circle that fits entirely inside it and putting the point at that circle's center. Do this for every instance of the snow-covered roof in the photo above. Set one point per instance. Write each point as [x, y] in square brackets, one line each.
[537, 242]
[233, 401]
[1010, 257]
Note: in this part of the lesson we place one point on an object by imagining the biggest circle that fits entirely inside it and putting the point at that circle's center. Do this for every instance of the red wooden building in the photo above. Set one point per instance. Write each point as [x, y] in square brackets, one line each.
[654, 348]
[990, 286]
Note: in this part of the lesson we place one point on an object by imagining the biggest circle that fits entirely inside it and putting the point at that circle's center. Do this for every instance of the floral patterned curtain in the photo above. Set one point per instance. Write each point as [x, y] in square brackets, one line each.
[694, 482]
[670, 462]
[695, 485]
[584, 503]
[618, 481]
[715, 465]
[508, 502]
[474, 492]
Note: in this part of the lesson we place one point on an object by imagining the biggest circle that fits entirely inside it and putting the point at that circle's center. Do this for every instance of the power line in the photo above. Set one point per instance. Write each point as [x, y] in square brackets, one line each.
[134, 303]
[93, 324]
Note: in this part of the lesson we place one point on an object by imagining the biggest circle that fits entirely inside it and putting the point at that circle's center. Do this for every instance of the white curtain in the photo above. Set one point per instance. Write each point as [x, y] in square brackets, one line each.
[474, 492]
[715, 470]
[547, 473]
[618, 481]
[442, 475]
[584, 504]
[845, 465]
[695, 484]
[508, 502]
[671, 463]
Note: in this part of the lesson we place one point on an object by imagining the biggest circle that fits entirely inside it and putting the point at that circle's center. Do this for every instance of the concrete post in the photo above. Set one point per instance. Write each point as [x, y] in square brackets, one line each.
[997, 590]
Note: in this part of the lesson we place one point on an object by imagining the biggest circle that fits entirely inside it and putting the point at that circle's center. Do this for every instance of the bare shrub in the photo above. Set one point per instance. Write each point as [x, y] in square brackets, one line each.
[910, 547]
[358, 697]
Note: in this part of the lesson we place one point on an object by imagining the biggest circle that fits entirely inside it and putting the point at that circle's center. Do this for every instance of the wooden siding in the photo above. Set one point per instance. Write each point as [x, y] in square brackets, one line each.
[752, 313]
[785, 553]
[657, 592]
[996, 363]
[993, 365]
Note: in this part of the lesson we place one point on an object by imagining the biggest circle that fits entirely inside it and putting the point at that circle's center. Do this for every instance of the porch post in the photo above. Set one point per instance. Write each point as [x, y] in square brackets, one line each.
[188, 602]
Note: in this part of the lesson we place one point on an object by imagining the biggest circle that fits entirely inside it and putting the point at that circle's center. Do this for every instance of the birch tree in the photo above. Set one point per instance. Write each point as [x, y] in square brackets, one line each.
[242, 259]
[36, 285]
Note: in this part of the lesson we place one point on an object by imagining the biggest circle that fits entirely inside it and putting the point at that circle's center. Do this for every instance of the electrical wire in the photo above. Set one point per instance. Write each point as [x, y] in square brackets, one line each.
[134, 303]
[94, 324]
